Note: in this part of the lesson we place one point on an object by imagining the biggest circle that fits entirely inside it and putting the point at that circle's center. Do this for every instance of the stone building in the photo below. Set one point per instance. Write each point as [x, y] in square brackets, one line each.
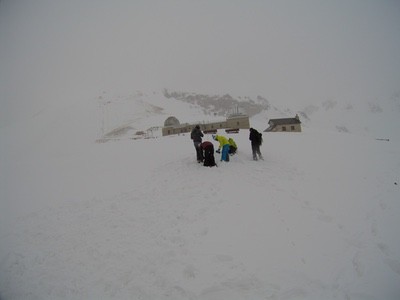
[284, 125]
[235, 121]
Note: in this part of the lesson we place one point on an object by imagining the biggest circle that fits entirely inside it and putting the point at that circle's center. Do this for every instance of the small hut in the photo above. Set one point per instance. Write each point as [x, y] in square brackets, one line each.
[284, 125]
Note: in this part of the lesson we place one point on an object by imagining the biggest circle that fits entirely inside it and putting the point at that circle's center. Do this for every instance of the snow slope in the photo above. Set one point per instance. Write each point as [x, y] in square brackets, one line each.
[140, 219]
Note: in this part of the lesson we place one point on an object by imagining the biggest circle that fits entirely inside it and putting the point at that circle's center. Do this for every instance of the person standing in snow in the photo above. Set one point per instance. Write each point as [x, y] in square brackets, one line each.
[223, 147]
[256, 140]
[208, 155]
[232, 146]
[196, 135]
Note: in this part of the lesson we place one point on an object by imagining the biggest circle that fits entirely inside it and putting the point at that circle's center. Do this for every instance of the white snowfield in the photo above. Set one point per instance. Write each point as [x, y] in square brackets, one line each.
[141, 219]
[96, 205]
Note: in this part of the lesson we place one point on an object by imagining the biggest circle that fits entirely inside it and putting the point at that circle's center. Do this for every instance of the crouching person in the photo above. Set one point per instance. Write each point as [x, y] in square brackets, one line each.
[232, 146]
[208, 154]
[223, 147]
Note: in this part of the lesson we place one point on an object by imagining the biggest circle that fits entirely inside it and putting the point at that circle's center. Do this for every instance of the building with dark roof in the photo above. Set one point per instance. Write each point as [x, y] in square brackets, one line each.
[284, 125]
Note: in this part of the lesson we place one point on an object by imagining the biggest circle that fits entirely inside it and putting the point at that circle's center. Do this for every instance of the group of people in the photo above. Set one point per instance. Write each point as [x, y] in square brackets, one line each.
[227, 146]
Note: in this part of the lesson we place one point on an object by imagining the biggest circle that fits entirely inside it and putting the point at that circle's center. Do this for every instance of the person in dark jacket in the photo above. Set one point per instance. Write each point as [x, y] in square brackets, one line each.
[256, 140]
[196, 135]
[209, 159]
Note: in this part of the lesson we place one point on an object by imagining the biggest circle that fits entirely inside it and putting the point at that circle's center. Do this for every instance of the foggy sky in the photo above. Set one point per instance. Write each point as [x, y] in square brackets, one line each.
[287, 51]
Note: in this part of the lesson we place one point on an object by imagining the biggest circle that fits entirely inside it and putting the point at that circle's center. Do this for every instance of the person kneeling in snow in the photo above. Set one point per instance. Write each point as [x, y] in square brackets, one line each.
[208, 154]
[232, 146]
[223, 146]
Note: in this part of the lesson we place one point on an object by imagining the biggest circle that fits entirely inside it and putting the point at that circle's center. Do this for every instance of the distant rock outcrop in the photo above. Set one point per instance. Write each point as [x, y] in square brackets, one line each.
[221, 105]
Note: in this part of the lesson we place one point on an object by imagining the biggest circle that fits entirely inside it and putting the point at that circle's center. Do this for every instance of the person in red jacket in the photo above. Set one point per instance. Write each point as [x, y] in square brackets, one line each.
[208, 153]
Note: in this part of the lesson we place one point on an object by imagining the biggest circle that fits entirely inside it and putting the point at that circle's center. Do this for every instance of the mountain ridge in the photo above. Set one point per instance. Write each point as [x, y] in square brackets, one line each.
[376, 118]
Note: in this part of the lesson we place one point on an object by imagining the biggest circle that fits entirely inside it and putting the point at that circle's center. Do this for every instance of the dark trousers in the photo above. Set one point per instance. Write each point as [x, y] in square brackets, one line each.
[256, 151]
[232, 150]
[199, 152]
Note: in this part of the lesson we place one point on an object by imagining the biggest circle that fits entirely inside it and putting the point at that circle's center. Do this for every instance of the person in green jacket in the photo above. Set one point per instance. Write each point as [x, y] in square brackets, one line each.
[232, 146]
[223, 147]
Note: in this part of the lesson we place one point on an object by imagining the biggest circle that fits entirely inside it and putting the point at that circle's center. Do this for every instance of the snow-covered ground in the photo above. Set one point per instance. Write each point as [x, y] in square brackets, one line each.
[95, 204]
[140, 219]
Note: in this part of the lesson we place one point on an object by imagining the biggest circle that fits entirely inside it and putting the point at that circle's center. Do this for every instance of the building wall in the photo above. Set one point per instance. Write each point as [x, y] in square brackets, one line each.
[241, 122]
[287, 128]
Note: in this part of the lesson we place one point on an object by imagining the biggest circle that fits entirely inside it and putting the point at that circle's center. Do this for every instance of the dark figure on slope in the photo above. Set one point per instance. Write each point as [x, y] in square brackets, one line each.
[209, 159]
[196, 135]
[256, 141]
